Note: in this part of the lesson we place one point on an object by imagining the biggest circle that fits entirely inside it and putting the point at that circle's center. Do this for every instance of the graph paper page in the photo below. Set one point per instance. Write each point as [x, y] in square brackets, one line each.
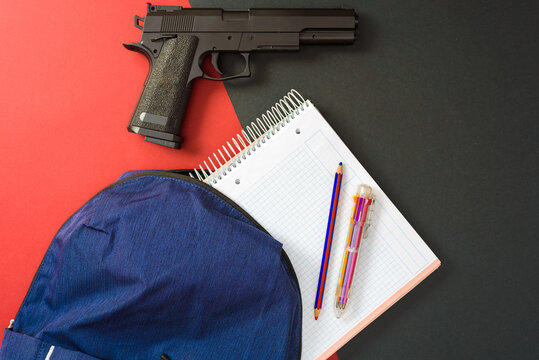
[286, 185]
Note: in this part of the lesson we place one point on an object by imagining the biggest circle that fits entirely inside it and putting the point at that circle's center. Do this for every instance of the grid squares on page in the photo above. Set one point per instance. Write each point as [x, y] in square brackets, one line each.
[275, 205]
[291, 201]
[398, 241]
[296, 214]
[377, 277]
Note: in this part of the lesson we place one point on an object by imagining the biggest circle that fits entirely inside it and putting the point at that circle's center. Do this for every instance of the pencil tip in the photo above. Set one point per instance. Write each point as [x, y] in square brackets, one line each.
[316, 317]
[340, 163]
[316, 313]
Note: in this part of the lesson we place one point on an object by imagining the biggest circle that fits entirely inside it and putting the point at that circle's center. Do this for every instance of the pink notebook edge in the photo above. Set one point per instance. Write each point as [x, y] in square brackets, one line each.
[381, 309]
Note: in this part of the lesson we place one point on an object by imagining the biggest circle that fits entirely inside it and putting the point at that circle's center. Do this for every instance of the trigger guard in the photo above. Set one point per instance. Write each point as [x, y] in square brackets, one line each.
[245, 73]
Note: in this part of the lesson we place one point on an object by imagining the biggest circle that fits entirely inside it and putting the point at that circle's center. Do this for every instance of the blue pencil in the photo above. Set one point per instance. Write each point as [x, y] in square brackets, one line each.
[327, 244]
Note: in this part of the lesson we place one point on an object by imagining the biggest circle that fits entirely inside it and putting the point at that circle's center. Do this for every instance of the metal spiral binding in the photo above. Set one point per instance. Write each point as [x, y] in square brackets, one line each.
[251, 138]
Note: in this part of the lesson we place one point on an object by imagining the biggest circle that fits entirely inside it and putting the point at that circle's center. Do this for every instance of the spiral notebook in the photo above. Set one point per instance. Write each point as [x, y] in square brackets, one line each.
[281, 171]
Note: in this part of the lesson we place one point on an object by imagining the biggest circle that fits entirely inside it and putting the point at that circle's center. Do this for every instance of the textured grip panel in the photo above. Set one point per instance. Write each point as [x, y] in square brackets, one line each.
[163, 102]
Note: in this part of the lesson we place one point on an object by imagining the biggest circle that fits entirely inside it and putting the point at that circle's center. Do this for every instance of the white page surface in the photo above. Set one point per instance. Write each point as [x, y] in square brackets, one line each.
[286, 185]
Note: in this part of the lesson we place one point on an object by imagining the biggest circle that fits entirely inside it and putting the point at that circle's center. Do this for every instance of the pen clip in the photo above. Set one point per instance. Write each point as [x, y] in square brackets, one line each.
[368, 218]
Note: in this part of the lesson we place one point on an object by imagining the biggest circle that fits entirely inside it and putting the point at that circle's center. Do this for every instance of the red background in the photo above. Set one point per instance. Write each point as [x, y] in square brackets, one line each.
[68, 88]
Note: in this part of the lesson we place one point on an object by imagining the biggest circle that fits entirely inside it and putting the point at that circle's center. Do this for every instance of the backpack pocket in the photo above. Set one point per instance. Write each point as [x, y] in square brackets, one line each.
[17, 346]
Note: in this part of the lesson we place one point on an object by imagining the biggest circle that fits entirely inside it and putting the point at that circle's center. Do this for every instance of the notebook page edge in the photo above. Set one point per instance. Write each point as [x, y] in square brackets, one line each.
[381, 309]
[353, 163]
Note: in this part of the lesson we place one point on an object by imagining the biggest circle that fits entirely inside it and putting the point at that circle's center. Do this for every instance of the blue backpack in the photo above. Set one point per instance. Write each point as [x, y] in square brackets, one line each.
[159, 266]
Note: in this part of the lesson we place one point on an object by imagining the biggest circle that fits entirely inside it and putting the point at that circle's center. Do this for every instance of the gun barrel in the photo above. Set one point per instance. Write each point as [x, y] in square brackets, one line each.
[327, 37]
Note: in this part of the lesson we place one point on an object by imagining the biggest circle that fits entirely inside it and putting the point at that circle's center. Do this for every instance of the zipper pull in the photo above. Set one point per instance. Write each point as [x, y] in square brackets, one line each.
[11, 324]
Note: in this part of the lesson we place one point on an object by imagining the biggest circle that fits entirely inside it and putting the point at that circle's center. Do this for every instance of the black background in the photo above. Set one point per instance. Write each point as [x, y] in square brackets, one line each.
[439, 100]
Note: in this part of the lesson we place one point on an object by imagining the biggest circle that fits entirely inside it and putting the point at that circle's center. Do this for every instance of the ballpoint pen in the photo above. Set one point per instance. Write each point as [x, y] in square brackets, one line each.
[359, 223]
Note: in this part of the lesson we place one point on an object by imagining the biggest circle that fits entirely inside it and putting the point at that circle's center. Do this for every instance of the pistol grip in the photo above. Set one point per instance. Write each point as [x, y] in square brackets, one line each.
[161, 107]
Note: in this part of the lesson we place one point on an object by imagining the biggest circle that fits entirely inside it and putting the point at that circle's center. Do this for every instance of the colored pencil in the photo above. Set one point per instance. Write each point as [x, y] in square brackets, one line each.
[327, 243]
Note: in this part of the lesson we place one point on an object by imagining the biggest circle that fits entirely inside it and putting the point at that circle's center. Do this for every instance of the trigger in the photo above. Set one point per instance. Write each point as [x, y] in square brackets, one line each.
[215, 62]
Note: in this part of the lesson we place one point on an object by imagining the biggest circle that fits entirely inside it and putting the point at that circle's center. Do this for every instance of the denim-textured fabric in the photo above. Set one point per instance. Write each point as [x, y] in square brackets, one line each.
[159, 265]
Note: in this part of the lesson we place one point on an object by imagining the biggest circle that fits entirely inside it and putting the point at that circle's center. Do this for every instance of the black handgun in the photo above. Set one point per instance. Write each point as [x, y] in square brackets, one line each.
[176, 41]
